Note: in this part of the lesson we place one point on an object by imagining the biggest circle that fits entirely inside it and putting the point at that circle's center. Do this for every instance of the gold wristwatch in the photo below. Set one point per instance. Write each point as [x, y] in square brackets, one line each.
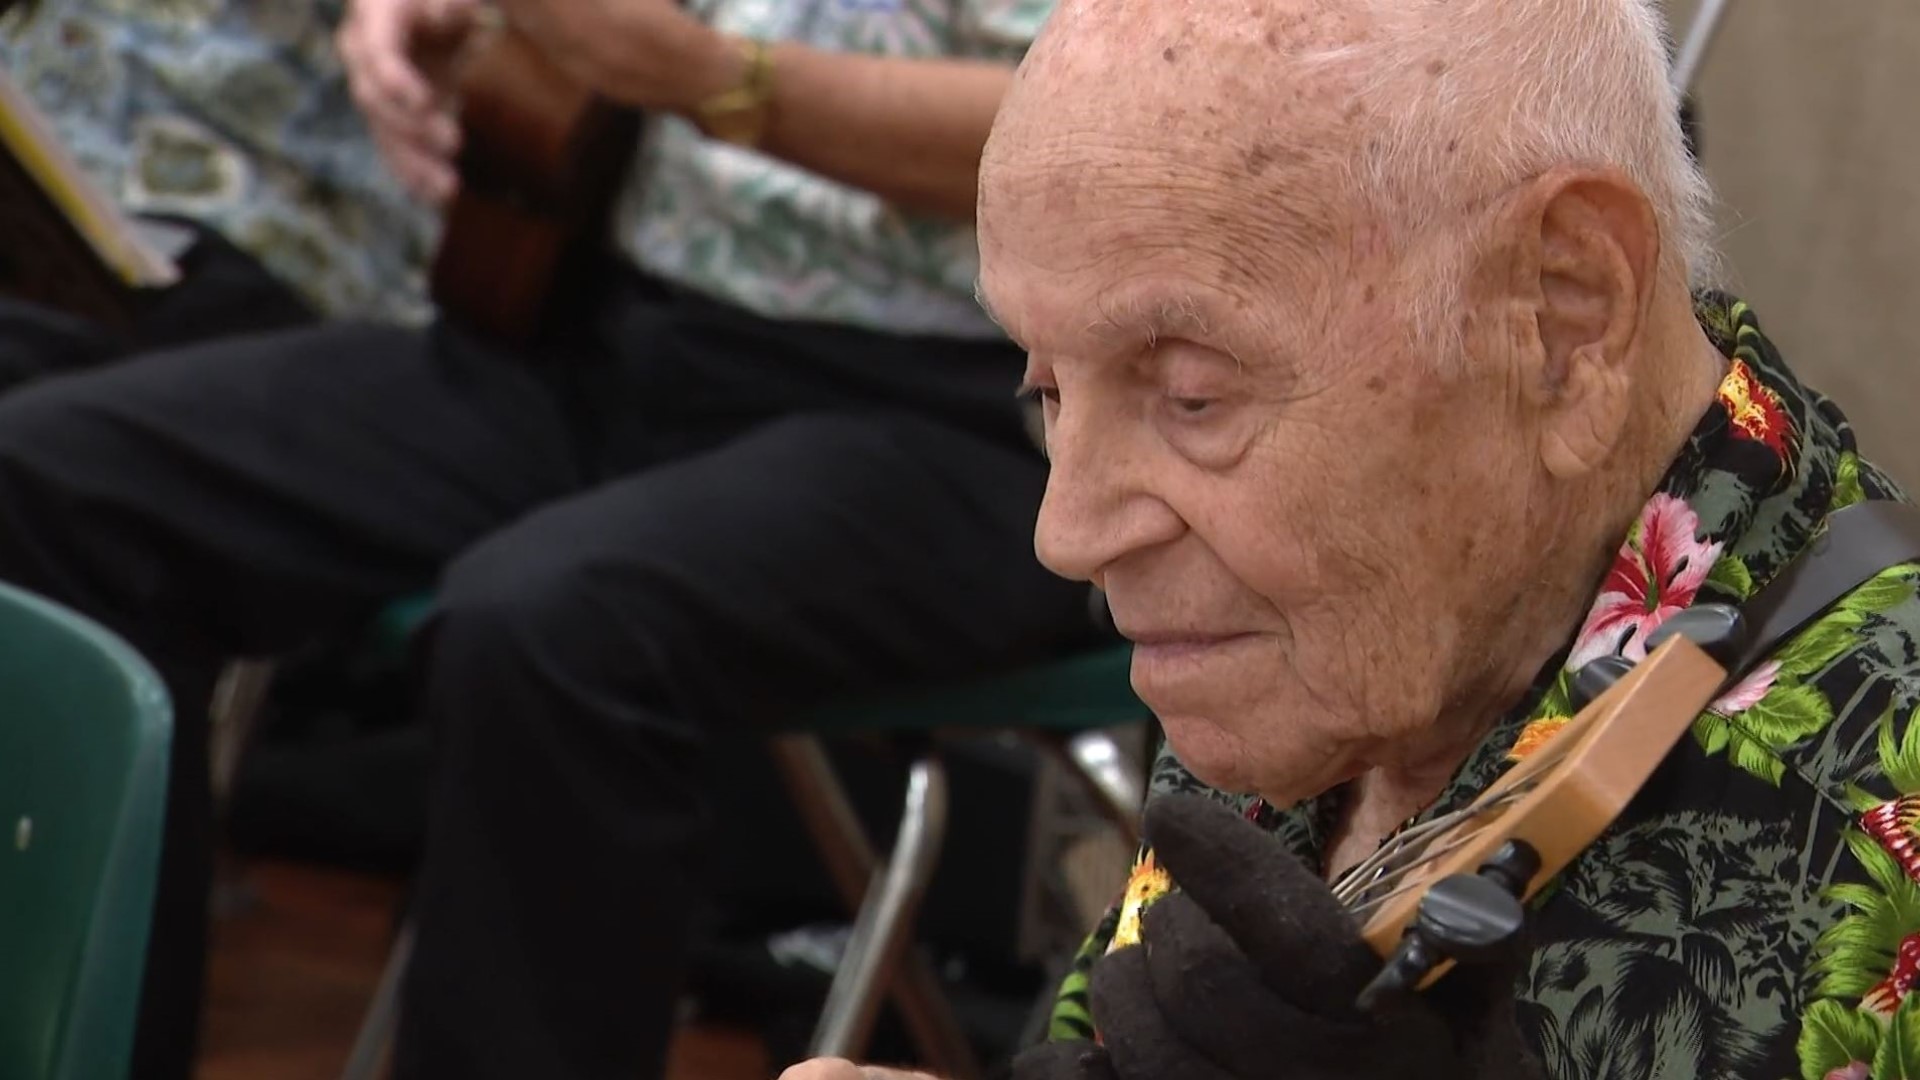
[739, 115]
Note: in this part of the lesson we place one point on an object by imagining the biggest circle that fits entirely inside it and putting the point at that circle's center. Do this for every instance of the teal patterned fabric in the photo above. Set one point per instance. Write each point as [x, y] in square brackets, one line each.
[787, 243]
[1755, 912]
[233, 113]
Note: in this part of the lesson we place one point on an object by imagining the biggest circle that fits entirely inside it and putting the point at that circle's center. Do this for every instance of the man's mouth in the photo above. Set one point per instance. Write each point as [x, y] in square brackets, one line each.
[1171, 645]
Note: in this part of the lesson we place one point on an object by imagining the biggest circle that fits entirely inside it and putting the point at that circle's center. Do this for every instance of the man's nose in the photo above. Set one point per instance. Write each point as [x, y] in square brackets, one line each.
[1100, 505]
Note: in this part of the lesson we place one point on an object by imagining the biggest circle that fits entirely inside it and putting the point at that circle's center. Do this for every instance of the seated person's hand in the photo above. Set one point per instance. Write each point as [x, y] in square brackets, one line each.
[841, 1069]
[400, 60]
[1252, 969]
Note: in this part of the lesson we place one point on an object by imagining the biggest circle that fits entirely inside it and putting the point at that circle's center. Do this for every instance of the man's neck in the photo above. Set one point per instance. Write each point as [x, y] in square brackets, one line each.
[1688, 371]
[1381, 799]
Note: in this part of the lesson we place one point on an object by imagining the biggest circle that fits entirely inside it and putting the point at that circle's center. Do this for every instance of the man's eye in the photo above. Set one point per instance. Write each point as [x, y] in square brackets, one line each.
[1048, 394]
[1191, 406]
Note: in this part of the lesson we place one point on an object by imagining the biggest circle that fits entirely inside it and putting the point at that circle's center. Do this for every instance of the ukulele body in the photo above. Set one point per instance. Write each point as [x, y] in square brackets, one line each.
[542, 161]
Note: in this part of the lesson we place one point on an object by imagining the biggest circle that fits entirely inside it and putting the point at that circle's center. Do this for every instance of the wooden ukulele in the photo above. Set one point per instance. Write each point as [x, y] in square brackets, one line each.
[1453, 888]
[542, 161]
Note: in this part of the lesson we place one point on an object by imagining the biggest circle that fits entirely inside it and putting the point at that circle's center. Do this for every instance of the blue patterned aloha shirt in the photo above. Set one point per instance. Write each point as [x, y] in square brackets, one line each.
[789, 244]
[234, 114]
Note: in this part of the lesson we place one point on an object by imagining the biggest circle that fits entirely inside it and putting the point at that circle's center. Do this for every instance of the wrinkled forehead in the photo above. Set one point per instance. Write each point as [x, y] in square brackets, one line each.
[1156, 91]
[1181, 126]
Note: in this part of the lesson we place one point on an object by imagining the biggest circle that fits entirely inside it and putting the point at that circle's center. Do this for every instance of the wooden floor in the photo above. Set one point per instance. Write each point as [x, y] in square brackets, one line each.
[294, 969]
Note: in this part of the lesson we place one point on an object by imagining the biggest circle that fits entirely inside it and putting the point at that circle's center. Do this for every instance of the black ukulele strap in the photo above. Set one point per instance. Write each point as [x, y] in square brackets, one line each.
[1858, 543]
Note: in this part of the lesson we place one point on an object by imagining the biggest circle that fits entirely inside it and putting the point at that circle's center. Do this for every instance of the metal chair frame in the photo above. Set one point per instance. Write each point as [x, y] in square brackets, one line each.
[884, 896]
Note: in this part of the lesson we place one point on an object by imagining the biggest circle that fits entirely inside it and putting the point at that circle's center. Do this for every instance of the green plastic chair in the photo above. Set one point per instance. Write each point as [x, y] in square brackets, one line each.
[85, 727]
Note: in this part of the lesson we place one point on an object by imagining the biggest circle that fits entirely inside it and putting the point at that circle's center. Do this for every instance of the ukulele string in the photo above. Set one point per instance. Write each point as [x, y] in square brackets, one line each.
[1430, 852]
[1392, 877]
[1361, 877]
[1407, 852]
[1401, 879]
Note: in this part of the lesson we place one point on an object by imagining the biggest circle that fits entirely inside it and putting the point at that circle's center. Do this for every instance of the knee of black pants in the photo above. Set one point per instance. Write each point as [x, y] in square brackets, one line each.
[50, 470]
[34, 420]
[37, 341]
[530, 651]
[566, 823]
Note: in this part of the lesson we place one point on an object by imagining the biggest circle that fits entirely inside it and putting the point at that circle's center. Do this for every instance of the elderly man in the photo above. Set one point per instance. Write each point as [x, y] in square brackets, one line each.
[1378, 401]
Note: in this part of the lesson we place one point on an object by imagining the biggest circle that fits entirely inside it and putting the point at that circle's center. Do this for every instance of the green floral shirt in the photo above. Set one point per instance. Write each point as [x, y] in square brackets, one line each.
[234, 114]
[790, 244]
[1755, 912]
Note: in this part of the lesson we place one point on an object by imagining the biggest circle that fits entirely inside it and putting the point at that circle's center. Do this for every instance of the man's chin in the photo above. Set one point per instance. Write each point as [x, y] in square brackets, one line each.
[1282, 773]
[1215, 756]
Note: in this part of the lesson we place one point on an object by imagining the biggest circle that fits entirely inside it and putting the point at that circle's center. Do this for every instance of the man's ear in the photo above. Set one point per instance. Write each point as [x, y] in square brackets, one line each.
[1581, 251]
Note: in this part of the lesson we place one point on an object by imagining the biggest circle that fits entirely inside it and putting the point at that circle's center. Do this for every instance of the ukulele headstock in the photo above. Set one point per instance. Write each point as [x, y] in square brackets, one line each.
[1533, 821]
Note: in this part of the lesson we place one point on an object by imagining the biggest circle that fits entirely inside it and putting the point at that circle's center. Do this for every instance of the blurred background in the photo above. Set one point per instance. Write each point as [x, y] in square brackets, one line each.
[1808, 114]
[1805, 114]
[1802, 110]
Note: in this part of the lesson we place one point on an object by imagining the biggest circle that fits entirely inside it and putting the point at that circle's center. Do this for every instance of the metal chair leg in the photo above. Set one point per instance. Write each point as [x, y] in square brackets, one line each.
[884, 911]
[878, 951]
[236, 702]
[231, 713]
[827, 814]
[884, 929]
[1095, 761]
[375, 1038]
[1103, 771]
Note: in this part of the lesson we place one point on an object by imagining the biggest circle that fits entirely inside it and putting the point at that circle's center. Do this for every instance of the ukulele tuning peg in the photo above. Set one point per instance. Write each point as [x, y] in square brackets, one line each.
[1594, 678]
[1718, 629]
[1467, 918]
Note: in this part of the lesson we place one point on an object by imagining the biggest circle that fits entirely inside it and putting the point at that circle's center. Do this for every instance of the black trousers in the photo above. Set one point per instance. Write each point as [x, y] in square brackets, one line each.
[223, 292]
[672, 520]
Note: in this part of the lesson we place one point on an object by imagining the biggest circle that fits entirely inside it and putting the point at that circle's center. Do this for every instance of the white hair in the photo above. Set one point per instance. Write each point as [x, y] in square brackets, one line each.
[1466, 98]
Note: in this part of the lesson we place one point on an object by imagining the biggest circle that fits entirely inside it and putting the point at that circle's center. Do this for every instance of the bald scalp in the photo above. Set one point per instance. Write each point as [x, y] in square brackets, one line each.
[1394, 116]
[1146, 25]
[1169, 95]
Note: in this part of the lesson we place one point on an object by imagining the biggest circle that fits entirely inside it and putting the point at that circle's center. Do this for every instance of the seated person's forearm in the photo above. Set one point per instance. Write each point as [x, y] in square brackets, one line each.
[909, 131]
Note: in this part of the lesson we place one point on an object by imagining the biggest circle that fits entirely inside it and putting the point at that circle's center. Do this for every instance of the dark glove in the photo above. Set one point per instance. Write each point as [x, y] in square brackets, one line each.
[1067, 1059]
[1251, 970]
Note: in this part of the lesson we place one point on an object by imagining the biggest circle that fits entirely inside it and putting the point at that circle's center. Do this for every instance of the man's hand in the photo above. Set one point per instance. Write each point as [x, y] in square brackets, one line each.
[1251, 971]
[649, 54]
[841, 1069]
[399, 56]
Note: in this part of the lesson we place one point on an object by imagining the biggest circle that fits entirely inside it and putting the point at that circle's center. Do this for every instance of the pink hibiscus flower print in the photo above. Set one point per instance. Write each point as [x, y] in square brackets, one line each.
[1660, 568]
[1747, 693]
